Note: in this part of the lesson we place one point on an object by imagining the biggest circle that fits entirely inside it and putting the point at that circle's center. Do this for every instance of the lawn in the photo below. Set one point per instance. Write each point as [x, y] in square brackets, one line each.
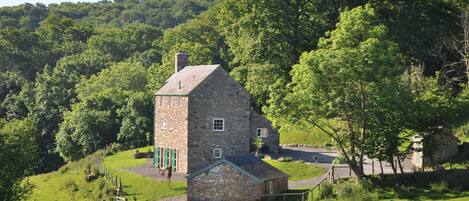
[301, 134]
[297, 170]
[68, 183]
[415, 193]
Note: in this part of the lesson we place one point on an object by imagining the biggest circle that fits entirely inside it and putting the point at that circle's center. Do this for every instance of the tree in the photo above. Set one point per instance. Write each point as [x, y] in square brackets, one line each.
[121, 43]
[54, 94]
[17, 157]
[95, 121]
[333, 87]
[137, 120]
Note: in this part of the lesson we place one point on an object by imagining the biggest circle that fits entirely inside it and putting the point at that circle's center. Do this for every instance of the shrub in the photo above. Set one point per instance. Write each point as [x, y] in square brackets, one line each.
[326, 191]
[71, 185]
[95, 171]
[344, 190]
[367, 184]
[405, 192]
[339, 160]
[64, 170]
[355, 192]
[439, 187]
[327, 145]
[285, 159]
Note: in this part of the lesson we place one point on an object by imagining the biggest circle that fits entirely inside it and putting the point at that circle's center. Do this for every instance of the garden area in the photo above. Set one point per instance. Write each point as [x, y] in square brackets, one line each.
[69, 182]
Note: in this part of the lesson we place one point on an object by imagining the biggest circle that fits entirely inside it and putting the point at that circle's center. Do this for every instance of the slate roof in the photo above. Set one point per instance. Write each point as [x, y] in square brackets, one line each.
[189, 78]
[249, 165]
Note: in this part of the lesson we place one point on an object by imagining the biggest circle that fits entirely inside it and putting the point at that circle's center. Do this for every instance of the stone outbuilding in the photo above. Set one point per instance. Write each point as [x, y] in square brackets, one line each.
[443, 147]
[242, 178]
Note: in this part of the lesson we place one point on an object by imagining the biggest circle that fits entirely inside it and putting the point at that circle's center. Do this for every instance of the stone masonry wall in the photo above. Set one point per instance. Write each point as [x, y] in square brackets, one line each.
[259, 121]
[173, 111]
[219, 96]
[223, 182]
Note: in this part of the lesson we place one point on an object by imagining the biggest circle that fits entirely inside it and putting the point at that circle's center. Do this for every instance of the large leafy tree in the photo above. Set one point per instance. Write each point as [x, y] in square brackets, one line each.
[95, 120]
[334, 87]
[17, 157]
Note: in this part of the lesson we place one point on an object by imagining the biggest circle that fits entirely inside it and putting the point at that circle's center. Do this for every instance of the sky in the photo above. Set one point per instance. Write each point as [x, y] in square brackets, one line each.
[45, 2]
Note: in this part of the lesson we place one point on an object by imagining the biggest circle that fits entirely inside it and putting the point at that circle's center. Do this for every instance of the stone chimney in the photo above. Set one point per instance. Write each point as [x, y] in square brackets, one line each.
[181, 60]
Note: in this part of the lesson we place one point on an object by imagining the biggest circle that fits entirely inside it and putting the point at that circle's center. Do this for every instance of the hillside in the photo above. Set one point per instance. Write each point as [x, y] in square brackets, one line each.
[68, 183]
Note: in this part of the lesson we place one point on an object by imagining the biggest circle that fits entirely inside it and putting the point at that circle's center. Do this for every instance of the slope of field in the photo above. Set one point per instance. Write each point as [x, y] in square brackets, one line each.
[300, 134]
[68, 183]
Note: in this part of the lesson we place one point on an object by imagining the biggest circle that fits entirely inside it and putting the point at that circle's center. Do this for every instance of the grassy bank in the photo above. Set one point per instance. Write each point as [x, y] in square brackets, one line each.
[68, 183]
[297, 170]
[301, 134]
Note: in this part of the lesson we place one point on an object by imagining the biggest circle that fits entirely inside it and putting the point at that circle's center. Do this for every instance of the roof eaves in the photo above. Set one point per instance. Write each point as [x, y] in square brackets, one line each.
[204, 169]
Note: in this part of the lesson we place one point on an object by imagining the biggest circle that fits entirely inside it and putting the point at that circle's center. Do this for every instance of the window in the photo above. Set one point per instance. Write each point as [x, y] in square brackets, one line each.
[262, 132]
[162, 123]
[270, 187]
[161, 100]
[218, 124]
[217, 153]
[179, 101]
[169, 101]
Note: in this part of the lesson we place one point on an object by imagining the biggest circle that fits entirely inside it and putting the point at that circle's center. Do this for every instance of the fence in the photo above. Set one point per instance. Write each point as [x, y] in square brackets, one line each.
[115, 181]
[304, 195]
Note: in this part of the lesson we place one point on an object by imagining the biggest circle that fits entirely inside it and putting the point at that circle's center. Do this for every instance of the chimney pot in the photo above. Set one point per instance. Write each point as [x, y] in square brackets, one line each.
[181, 60]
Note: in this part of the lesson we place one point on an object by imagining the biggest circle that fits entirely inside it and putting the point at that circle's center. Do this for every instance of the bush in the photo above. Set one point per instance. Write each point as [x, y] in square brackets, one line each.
[64, 170]
[439, 187]
[285, 159]
[327, 145]
[355, 192]
[71, 185]
[405, 192]
[339, 160]
[326, 191]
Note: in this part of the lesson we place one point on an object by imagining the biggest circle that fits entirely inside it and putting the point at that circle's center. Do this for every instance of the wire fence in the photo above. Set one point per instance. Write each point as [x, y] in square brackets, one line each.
[115, 181]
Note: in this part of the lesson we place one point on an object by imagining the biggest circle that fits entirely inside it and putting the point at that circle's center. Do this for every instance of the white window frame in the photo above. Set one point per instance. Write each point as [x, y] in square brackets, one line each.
[162, 123]
[259, 133]
[271, 186]
[223, 124]
[215, 151]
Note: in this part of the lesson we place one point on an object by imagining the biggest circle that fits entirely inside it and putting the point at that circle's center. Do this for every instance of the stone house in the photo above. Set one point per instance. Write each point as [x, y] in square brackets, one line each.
[243, 178]
[203, 115]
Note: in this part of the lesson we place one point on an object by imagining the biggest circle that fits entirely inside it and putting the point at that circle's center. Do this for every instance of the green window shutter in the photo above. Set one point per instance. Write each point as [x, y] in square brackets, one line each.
[164, 157]
[156, 161]
[173, 159]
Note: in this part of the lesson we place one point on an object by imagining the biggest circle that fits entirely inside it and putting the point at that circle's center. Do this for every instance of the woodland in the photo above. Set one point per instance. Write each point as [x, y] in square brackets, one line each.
[370, 74]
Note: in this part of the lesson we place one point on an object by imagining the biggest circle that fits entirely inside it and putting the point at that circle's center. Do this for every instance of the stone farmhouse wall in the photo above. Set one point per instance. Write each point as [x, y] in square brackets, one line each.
[173, 112]
[219, 96]
[258, 121]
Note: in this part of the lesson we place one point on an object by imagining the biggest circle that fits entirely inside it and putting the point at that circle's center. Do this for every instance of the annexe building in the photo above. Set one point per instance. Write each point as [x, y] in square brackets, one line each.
[242, 178]
[203, 115]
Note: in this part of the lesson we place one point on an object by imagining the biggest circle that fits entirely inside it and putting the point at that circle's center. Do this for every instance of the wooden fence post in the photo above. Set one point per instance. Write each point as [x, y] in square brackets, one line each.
[373, 167]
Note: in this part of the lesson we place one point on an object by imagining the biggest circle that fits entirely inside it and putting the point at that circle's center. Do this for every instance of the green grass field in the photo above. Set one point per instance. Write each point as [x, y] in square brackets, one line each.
[68, 183]
[414, 193]
[297, 170]
[300, 134]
